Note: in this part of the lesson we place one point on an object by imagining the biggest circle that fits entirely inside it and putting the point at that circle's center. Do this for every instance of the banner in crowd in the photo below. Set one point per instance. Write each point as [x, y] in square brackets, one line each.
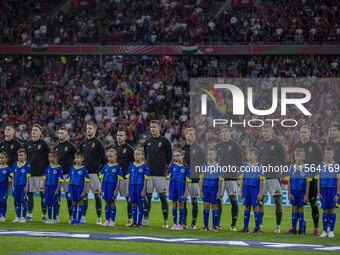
[240, 3]
[101, 112]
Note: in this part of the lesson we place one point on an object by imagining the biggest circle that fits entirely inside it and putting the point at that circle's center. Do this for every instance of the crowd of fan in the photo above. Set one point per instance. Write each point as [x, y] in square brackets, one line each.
[286, 21]
[139, 89]
[21, 22]
[165, 22]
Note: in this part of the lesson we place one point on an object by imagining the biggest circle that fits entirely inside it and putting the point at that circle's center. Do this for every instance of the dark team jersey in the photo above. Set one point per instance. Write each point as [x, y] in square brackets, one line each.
[272, 157]
[336, 151]
[94, 154]
[194, 157]
[11, 148]
[314, 155]
[230, 154]
[158, 154]
[125, 156]
[66, 152]
[37, 156]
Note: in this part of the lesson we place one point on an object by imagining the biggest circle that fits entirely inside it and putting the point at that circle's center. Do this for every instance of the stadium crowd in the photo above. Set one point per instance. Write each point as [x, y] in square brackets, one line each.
[140, 89]
[162, 22]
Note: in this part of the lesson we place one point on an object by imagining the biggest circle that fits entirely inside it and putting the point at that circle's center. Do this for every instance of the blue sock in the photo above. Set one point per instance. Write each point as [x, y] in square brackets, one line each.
[181, 216]
[301, 219]
[333, 219]
[80, 213]
[134, 214]
[140, 213]
[4, 209]
[206, 217]
[257, 216]
[325, 221]
[55, 212]
[174, 215]
[113, 213]
[107, 213]
[24, 210]
[294, 220]
[18, 210]
[246, 218]
[215, 217]
[49, 212]
[74, 212]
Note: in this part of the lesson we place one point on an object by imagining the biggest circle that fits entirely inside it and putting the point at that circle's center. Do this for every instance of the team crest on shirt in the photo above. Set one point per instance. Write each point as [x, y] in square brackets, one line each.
[302, 174]
[93, 145]
[66, 148]
[229, 148]
[55, 172]
[272, 147]
[39, 147]
[182, 170]
[113, 170]
[80, 172]
[160, 144]
[23, 170]
[12, 146]
[193, 151]
[4, 172]
[69, 194]
[310, 149]
[140, 170]
[124, 151]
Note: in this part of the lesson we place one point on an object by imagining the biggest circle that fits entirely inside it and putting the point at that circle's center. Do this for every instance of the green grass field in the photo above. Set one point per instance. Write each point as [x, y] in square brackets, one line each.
[8, 245]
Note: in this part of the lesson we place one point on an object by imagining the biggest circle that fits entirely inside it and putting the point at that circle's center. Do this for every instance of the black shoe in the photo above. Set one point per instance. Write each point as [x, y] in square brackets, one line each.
[244, 230]
[133, 225]
[139, 225]
[301, 232]
[294, 232]
[256, 231]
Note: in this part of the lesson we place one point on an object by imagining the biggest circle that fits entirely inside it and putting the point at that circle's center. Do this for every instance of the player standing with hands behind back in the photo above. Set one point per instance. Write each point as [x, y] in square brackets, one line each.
[158, 154]
[94, 159]
[66, 151]
[272, 155]
[37, 156]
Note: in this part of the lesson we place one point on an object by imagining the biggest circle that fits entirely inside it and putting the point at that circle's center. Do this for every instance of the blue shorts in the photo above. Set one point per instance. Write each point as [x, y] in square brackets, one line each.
[209, 195]
[3, 191]
[19, 194]
[49, 198]
[135, 191]
[328, 195]
[108, 189]
[176, 190]
[74, 192]
[250, 195]
[298, 197]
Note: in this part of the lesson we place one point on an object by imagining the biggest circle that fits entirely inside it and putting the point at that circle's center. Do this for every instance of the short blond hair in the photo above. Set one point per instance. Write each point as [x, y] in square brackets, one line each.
[187, 130]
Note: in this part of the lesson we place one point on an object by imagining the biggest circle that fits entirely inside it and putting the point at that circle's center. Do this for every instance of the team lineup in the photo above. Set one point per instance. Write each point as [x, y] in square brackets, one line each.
[34, 167]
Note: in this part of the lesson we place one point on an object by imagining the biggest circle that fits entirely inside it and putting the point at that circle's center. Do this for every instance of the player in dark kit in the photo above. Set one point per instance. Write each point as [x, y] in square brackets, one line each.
[229, 153]
[272, 157]
[94, 159]
[10, 145]
[158, 154]
[125, 157]
[66, 152]
[194, 156]
[314, 157]
[37, 156]
[335, 134]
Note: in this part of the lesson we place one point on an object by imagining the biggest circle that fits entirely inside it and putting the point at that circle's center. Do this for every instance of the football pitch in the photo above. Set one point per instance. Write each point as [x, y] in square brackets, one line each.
[15, 244]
